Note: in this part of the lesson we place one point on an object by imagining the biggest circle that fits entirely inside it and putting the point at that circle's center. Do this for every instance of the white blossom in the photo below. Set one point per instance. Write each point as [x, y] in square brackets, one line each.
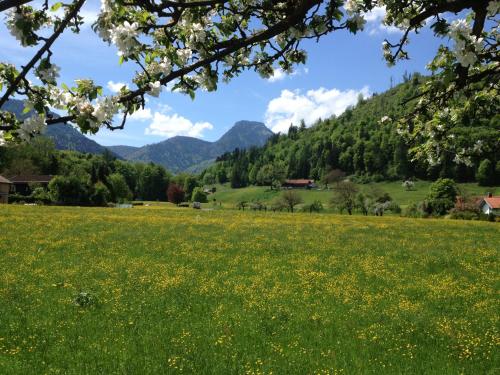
[154, 89]
[34, 124]
[198, 33]
[353, 6]
[104, 110]
[461, 158]
[49, 74]
[106, 6]
[13, 18]
[164, 67]
[385, 120]
[184, 55]
[353, 9]
[467, 46]
[359, 20]
[2, 138]
[123, 36]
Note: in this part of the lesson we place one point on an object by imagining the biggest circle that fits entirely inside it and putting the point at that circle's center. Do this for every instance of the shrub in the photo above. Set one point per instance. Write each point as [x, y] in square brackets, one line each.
[466, 208]
[100, 195]
[463, 215]
[393, 207]
[69, 190]
[175, 194]
[442, 196]
[278, 205]
[199, 195]
[416, 210]
[40, 196]
[119, 189]
[20, 199]
[316, 206]
[241, 205]
[257, 206]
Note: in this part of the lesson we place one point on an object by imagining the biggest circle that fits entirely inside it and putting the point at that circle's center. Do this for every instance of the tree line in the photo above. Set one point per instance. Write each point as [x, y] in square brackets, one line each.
[88, 179]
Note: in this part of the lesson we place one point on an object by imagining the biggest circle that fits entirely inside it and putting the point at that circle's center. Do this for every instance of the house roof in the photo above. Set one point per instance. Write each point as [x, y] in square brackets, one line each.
[299, 181]
[493, 202]
[3, 180]
[30, 178]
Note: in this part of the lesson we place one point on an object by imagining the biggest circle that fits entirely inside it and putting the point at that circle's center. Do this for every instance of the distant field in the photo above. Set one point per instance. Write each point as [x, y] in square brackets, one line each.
[218, 292]
[230, 197]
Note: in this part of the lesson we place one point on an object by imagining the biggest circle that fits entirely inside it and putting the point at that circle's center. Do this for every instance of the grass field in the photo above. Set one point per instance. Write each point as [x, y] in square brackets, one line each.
[230, 197]
[219, 292]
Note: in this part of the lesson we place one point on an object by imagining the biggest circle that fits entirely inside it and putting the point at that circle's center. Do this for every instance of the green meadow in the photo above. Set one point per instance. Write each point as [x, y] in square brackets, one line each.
[156, 290]
[230, 197]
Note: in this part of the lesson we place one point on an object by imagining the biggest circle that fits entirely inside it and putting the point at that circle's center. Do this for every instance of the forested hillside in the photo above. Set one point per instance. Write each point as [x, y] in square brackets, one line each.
[362, 142]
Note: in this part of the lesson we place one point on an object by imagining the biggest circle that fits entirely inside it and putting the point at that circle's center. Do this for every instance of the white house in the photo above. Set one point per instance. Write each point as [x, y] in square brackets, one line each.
[490, 205]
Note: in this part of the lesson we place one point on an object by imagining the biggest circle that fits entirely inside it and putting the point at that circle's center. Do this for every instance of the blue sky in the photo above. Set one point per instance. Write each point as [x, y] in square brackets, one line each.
[339, 67]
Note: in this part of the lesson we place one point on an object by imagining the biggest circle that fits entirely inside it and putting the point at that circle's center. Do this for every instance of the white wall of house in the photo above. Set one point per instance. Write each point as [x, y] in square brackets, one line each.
[486, 208]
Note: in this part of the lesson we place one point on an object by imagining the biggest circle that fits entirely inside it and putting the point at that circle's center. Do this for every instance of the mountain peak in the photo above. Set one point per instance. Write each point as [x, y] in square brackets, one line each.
[181, 153]
[247, 123]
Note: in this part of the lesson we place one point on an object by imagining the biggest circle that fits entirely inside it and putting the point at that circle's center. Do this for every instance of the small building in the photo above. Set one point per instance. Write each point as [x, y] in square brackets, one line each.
[5, 186]
[490, 205]
[299, 184]
[23, 184]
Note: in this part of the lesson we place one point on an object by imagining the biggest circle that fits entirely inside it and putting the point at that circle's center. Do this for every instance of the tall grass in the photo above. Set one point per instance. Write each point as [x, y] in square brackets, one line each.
[217, 292]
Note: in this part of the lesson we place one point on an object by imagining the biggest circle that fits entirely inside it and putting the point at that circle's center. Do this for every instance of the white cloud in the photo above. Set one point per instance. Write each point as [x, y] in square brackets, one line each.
[279, 74]
[375, 25]
[292, 106]
[164, 108]
[142, 115]
[172, 125]
[115, 86]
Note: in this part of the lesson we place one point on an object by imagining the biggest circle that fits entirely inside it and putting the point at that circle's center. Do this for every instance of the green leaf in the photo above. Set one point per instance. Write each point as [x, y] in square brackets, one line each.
[56, 6]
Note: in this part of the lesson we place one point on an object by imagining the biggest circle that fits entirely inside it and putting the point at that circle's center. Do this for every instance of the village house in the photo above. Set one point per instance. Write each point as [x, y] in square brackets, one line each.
[490, 205]
[23, 184]
[299, 184]
[5, 186]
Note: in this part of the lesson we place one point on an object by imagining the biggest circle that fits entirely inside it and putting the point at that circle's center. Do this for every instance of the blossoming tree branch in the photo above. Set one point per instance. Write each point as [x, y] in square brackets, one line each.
[193, 44]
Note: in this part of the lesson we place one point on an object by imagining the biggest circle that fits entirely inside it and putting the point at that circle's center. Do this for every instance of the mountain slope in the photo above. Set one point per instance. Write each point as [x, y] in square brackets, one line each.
[123, 151]
[191, 154]
[65, 136]
[177, 154]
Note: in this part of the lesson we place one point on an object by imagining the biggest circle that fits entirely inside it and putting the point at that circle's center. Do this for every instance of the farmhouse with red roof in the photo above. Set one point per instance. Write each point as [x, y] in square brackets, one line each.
[300, 183]
[490, 205]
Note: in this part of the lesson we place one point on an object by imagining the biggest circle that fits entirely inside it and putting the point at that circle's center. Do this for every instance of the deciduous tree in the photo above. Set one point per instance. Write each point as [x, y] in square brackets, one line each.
[290, 199]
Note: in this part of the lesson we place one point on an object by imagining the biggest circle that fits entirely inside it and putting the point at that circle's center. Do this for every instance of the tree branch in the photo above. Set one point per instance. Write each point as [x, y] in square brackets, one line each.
[13, 86]
[7, 4]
